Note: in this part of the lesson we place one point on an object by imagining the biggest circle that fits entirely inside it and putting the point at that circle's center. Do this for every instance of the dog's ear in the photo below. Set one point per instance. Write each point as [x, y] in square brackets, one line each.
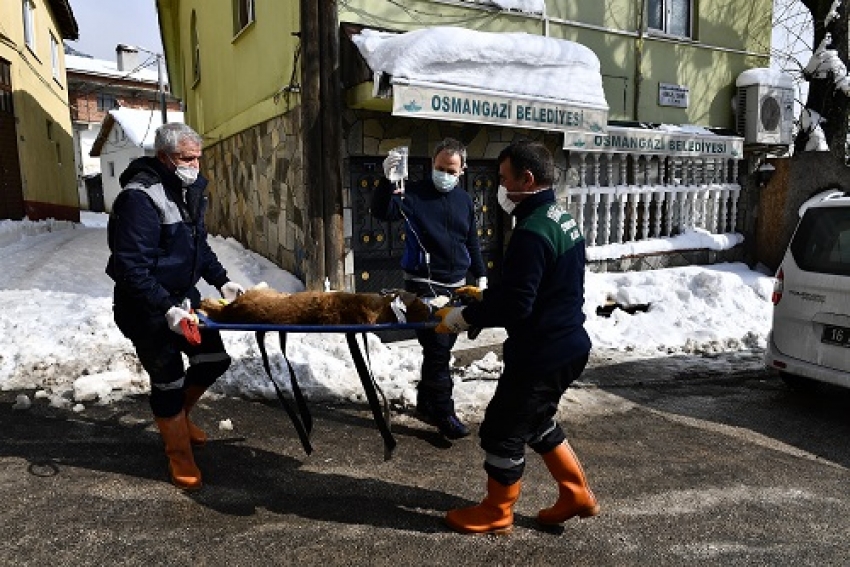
[408, 297]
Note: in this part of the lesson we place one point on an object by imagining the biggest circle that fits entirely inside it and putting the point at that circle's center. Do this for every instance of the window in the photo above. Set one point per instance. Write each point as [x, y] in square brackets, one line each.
[50, 130]
[111, 168]
[106, 102]
[29, 24]
[243, 14]
[5, 87]
[196, 48]
[54, 57]
[671, 16]
[821, 242]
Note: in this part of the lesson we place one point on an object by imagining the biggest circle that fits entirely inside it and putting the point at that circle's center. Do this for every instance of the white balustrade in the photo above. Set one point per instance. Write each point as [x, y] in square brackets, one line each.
[629, 197]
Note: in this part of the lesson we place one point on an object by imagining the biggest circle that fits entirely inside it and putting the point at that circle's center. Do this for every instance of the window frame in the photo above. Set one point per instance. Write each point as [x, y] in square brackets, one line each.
[6, 104]
[196, 49]
[244, 14]
[666, 17]
[28, 15]
[102, 97]
[54, 58]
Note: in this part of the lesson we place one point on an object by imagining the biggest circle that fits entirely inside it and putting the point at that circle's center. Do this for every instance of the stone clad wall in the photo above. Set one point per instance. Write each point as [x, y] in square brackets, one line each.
[257, 193]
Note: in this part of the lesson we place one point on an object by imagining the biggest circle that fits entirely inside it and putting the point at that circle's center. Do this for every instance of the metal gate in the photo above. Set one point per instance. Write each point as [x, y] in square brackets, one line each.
[378, 245]
[11, 188]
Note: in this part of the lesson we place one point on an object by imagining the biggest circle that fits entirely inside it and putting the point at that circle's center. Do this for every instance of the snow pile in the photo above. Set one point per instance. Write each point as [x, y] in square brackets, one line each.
[58, 341]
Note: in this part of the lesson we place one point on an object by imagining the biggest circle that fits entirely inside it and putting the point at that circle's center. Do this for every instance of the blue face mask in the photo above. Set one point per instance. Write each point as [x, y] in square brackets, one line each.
[443, 181]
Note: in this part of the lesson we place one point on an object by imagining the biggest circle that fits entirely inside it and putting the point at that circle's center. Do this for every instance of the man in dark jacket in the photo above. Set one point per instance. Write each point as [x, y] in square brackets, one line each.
[441, 246]
[159, 252]
[540, 305]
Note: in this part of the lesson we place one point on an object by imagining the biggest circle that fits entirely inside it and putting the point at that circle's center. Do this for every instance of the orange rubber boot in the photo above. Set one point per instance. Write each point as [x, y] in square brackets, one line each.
[190, 398]
[574, 495]
[181, 462]
[493, 516]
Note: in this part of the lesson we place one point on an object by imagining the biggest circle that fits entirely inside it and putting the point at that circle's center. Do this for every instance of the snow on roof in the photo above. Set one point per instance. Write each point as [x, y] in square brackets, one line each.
[515, 63]
[106, 68]
[765, 76]
[140, 125]
[686, 129]
[528, 6]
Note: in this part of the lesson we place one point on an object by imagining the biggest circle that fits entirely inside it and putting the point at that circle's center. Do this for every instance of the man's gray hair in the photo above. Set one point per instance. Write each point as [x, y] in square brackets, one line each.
[168, 137]
[453, 147]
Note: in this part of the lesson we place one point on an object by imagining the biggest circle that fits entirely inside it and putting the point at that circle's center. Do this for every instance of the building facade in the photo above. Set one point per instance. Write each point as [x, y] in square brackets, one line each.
[96, 86]
[297, 128]
[37, 178]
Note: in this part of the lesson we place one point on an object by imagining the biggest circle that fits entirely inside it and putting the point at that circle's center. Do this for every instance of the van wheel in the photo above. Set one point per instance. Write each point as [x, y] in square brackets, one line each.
[798, 383]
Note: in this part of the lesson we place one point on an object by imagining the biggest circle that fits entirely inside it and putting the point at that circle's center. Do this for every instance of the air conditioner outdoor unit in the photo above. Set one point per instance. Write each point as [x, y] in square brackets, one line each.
[765, 109]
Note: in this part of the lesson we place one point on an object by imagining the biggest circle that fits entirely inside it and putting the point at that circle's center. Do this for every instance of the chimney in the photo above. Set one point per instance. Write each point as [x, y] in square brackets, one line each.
[128, 57]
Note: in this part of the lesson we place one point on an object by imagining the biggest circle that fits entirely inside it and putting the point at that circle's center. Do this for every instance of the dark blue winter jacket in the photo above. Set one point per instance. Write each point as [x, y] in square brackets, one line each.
[439, 224]
[158, 241]
[540, 298]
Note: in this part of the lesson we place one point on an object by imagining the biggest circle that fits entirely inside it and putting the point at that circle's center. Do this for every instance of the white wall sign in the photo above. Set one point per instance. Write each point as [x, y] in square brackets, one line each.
[673, 95]
[484, 107]
[643, 141]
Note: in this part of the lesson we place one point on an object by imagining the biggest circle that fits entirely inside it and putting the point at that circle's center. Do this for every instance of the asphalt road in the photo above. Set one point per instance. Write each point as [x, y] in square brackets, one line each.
[716, 464]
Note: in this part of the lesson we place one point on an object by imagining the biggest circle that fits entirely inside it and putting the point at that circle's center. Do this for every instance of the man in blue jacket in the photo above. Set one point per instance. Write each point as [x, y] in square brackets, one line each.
[441, 246]
[539, 303]
[159, 252]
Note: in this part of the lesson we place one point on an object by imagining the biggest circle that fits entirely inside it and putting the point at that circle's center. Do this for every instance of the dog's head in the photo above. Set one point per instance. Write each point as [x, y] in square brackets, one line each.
[415, 310]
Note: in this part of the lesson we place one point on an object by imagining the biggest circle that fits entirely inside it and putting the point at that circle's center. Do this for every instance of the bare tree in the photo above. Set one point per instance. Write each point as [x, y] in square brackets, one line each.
[828, 100]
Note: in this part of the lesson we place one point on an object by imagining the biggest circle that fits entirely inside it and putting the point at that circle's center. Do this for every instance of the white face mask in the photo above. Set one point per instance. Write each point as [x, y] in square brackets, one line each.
[507, 204]
[443, 181]
[187, 174]
[502, 196]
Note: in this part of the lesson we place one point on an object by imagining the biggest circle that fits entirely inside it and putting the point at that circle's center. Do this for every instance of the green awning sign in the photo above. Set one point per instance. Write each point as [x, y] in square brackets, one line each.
[487, 107]
[651, 141]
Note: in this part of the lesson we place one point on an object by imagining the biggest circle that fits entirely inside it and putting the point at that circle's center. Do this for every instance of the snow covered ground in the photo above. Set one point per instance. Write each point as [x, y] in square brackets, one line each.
[59, 345]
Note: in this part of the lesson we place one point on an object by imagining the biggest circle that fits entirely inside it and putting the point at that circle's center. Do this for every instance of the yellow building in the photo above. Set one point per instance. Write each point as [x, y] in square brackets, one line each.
[296, 126]
[38, 180]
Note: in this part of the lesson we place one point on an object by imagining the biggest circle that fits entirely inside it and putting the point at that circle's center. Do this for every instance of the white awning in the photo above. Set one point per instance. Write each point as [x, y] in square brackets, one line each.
[508, 79]
[689, 141]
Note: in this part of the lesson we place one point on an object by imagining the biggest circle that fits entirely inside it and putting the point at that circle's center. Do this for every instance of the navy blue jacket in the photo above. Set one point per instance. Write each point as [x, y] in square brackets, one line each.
[540, 298]
[158, 241]
[441, 224]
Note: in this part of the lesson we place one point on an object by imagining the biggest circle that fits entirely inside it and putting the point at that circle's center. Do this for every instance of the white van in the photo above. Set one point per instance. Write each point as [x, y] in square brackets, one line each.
[810, 338]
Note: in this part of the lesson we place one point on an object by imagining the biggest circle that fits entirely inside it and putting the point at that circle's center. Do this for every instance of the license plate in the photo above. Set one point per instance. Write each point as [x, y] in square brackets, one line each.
[836, 335]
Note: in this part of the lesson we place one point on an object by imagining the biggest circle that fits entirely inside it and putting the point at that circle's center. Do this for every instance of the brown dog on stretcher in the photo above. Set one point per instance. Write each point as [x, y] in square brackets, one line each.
[267, 306]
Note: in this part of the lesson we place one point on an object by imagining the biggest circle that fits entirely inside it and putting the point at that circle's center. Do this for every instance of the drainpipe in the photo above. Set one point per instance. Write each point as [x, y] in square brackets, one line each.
[639, 59]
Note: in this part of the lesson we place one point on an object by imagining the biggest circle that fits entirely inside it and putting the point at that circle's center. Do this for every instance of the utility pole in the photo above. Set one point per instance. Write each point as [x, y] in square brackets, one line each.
[160, 63]
[160, 74]
[332, 142]
[311, 107]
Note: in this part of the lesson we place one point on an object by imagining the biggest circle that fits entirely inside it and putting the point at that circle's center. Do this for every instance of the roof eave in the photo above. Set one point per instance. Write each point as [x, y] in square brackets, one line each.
[65, 20]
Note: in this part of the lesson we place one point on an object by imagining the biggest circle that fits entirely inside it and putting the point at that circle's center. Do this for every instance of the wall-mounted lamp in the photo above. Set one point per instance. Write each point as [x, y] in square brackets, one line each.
[764, 174]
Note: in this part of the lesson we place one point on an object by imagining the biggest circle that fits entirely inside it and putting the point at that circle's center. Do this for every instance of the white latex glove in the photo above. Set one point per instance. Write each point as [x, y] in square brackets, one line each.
[437, 302]
[390, 163]
[481, 283]
[231, 290]
[451, 320]
[177, 314]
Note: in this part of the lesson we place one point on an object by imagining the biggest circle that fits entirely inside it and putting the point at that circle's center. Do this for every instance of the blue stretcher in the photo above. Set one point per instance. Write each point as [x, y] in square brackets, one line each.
[302, 420]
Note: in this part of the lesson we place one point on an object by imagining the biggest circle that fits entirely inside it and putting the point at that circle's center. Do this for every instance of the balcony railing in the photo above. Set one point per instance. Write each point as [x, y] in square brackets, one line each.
[631, 197]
